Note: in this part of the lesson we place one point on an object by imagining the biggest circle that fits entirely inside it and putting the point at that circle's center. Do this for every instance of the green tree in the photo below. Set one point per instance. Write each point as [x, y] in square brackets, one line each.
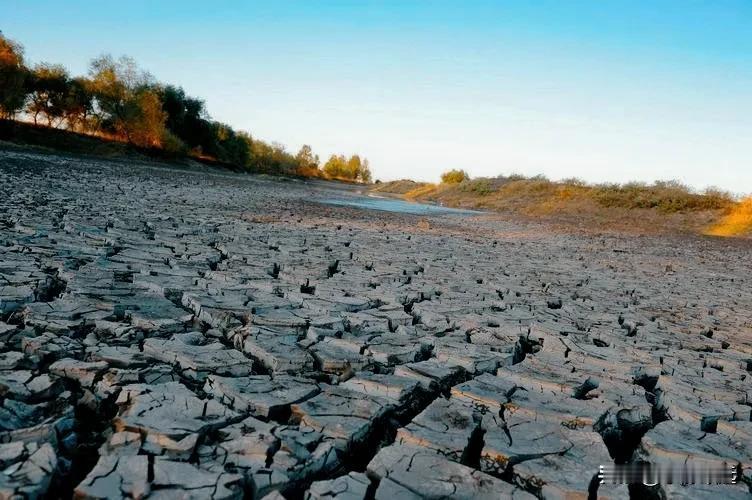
[306, 159]
[307, 162]
[186, 117]
[230, 146]
[13, 76]
[365, 171]
[145, 119]
[78, 105]
[121, 99]
[126, 100]
[336, 167]
[454, 177]
[49, 86]
[353, 168]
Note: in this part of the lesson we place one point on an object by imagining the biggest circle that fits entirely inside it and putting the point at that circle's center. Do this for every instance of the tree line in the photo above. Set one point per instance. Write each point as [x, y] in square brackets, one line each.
[119, 100]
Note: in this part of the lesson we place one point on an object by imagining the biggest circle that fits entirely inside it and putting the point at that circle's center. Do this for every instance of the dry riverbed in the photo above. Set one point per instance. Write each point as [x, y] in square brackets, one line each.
[183, 332]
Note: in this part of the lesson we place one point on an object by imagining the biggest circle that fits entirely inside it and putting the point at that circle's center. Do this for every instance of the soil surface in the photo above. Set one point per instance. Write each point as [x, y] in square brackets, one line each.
[171, 331]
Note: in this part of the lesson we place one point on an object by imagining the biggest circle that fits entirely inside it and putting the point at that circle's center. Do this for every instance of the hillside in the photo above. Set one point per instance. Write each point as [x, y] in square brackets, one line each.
[632, 207]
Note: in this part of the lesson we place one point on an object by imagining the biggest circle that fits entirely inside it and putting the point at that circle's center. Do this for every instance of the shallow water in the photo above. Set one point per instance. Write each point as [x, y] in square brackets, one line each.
[399, 206]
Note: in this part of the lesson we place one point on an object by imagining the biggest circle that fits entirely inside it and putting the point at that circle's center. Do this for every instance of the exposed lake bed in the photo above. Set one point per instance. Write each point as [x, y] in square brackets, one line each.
[198, 332]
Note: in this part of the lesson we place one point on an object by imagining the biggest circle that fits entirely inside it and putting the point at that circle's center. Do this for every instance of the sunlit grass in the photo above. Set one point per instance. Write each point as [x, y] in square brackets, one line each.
[402, 186]
[661, 205]
[737, 222]
[665, 196]
[421, 191]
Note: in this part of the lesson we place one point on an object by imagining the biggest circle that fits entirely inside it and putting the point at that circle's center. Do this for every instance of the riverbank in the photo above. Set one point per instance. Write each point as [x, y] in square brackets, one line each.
[660, 208]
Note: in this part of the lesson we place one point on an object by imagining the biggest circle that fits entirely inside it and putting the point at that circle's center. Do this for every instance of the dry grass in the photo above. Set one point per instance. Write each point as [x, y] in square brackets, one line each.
[661, 206]
[396, 187]
[737, 222]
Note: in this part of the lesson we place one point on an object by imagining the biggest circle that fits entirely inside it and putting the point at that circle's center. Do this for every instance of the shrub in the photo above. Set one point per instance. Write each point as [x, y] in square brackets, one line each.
[480, 187]
[666, 196]
[454, 177]
[173, 145]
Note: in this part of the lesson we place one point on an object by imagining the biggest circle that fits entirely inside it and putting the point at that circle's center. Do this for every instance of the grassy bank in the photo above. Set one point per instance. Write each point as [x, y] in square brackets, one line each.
[662, 206]
[45, 138]
[736, 222]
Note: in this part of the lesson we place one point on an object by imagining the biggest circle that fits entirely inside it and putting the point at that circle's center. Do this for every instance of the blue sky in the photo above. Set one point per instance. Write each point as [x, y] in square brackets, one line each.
[605, 90]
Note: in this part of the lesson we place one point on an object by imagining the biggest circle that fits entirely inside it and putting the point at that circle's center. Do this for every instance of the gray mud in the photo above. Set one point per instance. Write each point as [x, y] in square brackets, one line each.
[170, 332]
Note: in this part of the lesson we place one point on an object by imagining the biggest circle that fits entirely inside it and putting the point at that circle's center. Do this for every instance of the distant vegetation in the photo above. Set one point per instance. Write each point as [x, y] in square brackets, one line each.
[738, 221]
[339, 167]
[665, 196]
[123, 104]
[396, 187]
[454, 177]
[635, 204]
[119, 101]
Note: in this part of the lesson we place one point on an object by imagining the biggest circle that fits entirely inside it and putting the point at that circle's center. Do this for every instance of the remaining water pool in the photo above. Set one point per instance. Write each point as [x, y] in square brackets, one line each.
[392, 205]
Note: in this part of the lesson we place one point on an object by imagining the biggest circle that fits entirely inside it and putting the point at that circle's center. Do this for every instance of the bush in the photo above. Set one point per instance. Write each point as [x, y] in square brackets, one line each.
[454, 177]
[574, 181]
[173, 145]
[666, 196]
[480, 187]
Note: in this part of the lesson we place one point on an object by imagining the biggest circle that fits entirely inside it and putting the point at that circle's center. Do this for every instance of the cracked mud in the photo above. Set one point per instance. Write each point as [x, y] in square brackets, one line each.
[176, 332]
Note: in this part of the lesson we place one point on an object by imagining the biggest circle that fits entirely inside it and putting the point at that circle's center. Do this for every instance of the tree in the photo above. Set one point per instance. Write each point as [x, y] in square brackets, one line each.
[230, 146]
[13, 76]
[307, 162]
[126, 100]
[120, 99]
[78, 104]
[49, 88]
[186, 116]
[365, 171]
[145, 123]
[454, 177]
[336, 167]
[306, 158]
[354, 168]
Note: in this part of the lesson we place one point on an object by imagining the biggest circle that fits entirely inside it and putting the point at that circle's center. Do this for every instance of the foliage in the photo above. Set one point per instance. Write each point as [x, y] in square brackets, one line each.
[480, 187]
[666, 196]
[308, 163]
[352, 169]
[454, 177]
[78, 105]
[146, 123]
[186, 118]
[401, 186]
[173, 145]
[49, 88]
[121, 101]
[231, 147]
[126, 101]
[540, 195]
[13, 76]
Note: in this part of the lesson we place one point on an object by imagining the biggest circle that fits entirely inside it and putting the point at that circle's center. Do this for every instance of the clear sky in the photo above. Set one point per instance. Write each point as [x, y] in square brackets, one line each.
[605, 90]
